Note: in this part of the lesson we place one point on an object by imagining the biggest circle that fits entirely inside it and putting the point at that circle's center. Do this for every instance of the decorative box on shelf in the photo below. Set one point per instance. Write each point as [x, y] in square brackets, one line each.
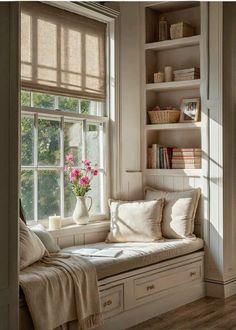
[181, 30]
[164, 116]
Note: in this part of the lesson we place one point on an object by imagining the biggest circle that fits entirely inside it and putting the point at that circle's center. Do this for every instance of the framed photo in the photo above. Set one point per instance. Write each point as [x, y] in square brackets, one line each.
[190, 109]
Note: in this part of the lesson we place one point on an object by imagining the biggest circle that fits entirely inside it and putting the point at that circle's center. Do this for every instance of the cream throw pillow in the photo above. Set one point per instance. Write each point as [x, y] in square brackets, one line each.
[31, 248]
[179, 211]
[46, 238]
[138, 221]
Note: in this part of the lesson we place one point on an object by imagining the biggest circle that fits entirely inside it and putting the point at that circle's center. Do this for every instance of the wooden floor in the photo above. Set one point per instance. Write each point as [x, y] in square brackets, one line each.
[206, 313]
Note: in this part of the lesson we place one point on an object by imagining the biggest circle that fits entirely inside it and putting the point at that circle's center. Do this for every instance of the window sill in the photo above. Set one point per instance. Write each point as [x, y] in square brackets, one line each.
[72, 228]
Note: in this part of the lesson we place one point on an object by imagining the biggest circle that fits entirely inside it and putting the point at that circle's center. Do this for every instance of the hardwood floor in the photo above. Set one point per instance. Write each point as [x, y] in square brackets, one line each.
[203, 314]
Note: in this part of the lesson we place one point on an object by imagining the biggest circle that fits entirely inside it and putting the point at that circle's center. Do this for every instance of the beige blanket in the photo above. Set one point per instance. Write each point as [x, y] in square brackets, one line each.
[59, 289]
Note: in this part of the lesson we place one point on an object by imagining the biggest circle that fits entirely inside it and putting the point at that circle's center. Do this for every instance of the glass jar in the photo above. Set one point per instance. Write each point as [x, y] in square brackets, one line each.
[163, 29]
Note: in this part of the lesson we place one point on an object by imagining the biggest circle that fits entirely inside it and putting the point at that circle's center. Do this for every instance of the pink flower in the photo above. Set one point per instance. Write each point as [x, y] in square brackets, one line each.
[86, 162]
[88, 168]
[65, 168]
[73, 174]
[70, 158]
[94, 172]
[84, 181]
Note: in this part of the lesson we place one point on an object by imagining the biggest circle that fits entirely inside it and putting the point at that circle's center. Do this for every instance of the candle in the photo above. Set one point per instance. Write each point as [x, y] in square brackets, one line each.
[168, 73]
[54, 222]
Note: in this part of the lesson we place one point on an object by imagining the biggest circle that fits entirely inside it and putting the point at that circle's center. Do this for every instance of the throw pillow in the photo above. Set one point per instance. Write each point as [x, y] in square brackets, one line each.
[179, 211]
[138, 221]
[31, 248]
[46, 238]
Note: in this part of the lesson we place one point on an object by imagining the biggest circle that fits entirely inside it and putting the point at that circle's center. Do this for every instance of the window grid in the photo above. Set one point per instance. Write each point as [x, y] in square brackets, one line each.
[36, 167]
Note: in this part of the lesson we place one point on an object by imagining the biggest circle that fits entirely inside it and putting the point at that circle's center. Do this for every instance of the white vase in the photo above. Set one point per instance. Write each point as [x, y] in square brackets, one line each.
[81, 215]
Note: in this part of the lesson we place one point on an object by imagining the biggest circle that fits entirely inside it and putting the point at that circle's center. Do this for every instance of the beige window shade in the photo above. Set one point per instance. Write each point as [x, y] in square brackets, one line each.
[62, 53]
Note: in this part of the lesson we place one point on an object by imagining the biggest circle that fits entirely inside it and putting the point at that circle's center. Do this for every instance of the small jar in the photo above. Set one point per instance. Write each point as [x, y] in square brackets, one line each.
[163, 29]
[158, 77]
[168, 73]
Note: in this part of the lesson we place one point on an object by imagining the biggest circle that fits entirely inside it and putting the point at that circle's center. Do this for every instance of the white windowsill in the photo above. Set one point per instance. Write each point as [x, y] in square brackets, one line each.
[72, 228]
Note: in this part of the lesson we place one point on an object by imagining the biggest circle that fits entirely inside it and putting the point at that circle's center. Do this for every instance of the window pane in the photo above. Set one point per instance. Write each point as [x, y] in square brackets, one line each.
[91, 107]
[25, 98]
[27, 193]
[93, 143]
[73, 140]
[48, 142]
[42, 100]
[68, 104]
[48, 193]
[95, 193]
[27, 133]
[69, 198]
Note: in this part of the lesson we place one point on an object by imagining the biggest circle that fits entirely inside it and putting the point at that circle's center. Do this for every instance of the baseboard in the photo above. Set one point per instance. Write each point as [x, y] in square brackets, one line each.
[183, 296]
[220, 289]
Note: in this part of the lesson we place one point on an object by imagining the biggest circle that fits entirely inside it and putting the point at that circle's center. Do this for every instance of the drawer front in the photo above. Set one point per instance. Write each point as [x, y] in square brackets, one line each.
[112, 302]
[153, 284]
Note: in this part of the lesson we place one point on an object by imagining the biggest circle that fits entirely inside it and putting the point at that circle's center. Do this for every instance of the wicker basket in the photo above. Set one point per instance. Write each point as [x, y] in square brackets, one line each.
[164, 116]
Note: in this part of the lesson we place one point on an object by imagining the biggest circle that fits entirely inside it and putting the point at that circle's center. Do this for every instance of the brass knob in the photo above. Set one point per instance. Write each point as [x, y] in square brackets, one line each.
[192, 273]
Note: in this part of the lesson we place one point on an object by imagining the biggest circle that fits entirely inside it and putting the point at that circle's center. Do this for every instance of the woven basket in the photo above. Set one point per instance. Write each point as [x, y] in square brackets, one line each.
[164, 116]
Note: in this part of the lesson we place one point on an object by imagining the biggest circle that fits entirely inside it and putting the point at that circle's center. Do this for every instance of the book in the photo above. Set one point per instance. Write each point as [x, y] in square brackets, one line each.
[187, 154]
[189, 161]
[186, 150]
[154, 156]
[186, 166]
[107, 253]
[182, 78]
[187, 70]
[149, 157]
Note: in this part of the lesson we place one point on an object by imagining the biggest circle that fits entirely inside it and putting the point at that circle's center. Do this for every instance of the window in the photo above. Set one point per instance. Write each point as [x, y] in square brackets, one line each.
[64, 108]
[47, 136]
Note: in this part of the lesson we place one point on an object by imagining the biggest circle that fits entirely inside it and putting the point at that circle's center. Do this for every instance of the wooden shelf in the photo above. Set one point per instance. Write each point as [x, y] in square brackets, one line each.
[175, 172]
[173, 126]
[173, 85]
[172, 44]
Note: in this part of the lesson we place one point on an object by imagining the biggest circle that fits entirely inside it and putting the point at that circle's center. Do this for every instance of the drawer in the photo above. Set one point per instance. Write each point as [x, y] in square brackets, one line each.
[112, 301]
[156, 283]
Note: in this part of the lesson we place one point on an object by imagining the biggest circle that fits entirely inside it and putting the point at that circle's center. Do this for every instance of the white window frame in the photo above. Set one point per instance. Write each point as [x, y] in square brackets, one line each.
[107, 16]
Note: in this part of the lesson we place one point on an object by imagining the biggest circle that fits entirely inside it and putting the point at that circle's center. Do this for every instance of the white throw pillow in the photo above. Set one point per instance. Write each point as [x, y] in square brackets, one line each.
[46, 238]
[31, 248]
[179, 211]
[138, 221]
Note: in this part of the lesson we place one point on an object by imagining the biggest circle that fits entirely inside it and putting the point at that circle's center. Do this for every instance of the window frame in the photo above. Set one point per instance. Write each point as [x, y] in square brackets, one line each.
[109, 120]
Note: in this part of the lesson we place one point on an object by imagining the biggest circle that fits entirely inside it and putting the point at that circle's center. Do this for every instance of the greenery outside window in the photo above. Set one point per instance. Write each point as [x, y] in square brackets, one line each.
[51, 127]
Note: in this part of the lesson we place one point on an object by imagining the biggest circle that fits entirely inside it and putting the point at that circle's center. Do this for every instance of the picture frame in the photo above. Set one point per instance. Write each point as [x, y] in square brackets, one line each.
[189, 110]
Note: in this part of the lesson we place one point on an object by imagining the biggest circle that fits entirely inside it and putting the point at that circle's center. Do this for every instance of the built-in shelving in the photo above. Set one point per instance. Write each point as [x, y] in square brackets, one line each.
[173, 126]
[182, 53]
[173, 85]
[172, 44]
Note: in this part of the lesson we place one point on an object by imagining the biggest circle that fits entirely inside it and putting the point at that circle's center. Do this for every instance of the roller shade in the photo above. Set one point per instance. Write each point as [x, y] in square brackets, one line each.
[62, 52]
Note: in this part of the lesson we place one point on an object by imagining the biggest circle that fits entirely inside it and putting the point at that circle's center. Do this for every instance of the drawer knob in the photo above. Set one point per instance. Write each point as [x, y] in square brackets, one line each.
[150, 287]
[107, 303]
[192, 274]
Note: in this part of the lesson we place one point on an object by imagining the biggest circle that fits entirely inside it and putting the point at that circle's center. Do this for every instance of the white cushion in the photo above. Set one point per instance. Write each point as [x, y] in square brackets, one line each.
[179, 211]
[138, 221]
[46, 238]
[31, 248]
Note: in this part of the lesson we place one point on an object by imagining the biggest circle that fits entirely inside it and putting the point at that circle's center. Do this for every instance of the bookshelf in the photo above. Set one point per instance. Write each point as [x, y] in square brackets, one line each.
[172, 44]
[173, 85]
[181, 54]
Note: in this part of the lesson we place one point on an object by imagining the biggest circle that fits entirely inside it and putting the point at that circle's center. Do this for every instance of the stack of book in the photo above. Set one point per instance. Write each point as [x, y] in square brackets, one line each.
[187, 74]
[184, 158]
[159, 157]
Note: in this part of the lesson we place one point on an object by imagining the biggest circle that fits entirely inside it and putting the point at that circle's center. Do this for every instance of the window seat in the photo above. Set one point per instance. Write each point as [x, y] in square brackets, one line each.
[137, 255]
[145, 280]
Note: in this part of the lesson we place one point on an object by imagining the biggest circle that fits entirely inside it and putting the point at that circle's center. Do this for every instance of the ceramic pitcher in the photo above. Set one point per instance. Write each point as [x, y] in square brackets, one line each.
[81, 215]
